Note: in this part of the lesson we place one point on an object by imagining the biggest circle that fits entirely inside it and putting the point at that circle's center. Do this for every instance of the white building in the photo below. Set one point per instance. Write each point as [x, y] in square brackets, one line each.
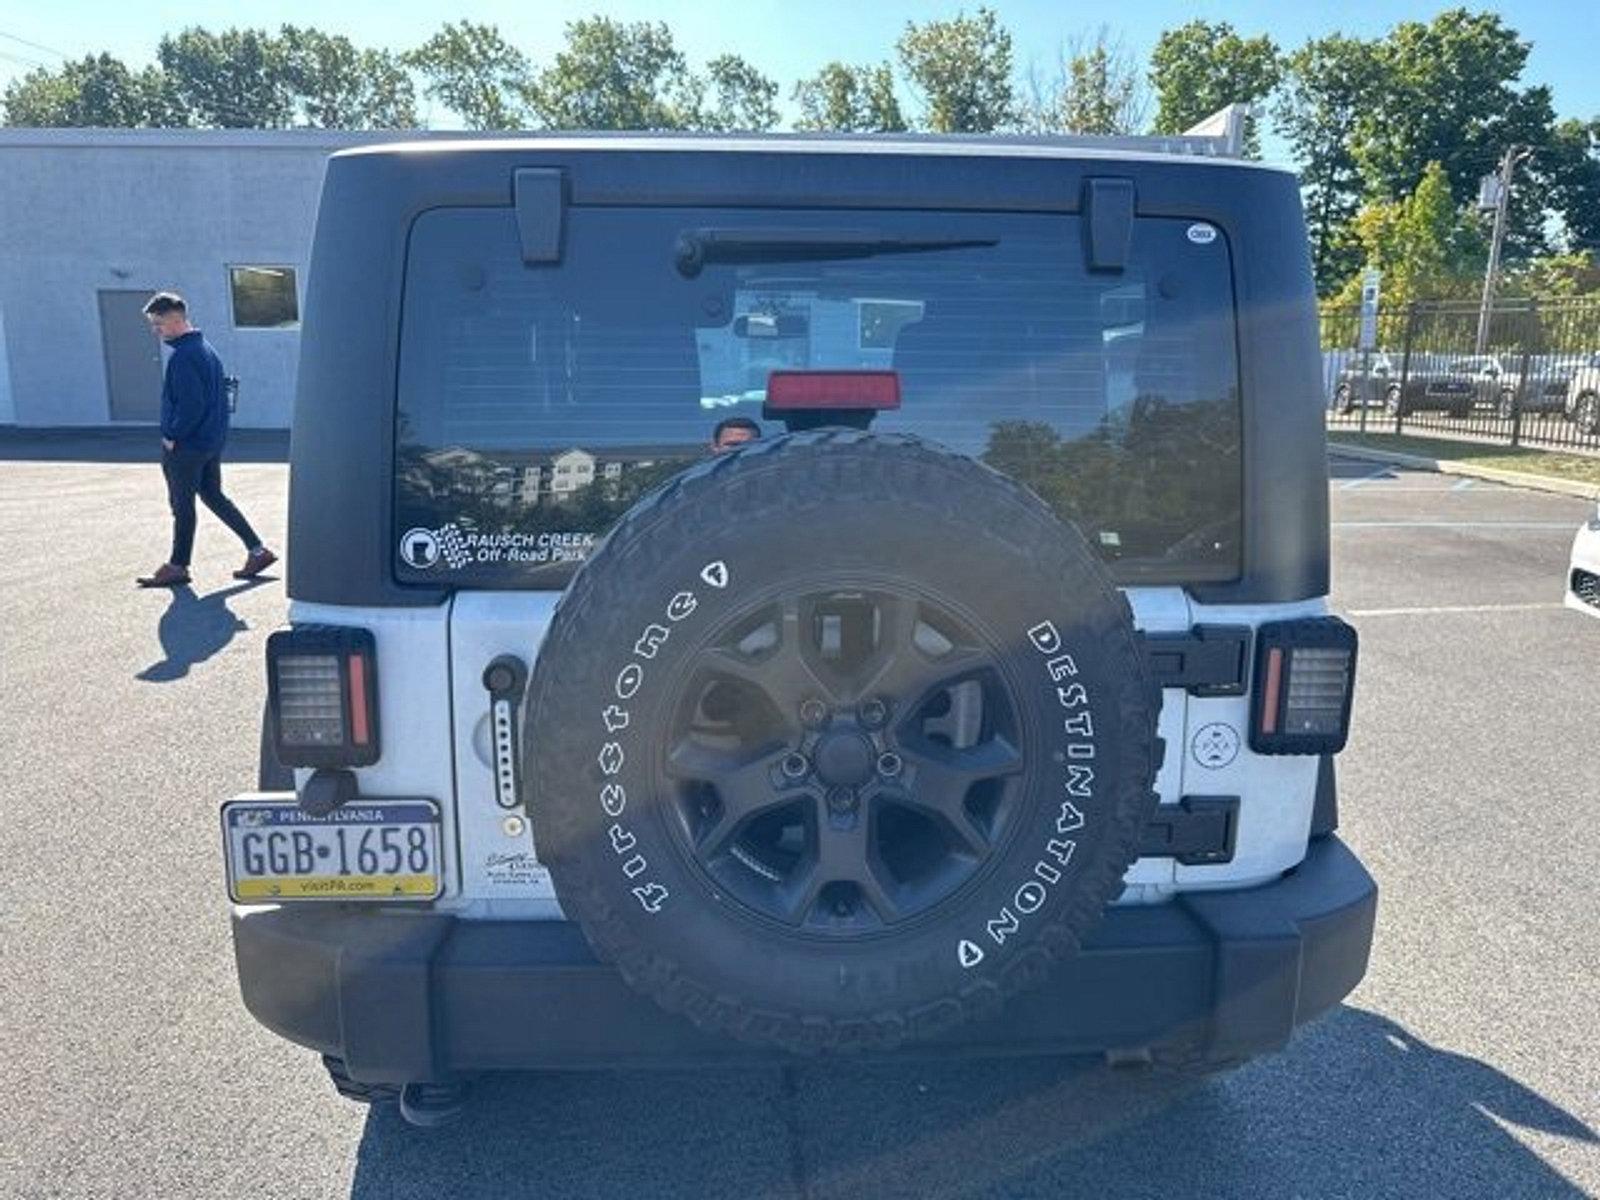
[93, 221]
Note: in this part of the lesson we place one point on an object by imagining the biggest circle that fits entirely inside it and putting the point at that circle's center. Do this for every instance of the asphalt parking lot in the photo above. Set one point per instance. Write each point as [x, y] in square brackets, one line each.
[1464, 1065]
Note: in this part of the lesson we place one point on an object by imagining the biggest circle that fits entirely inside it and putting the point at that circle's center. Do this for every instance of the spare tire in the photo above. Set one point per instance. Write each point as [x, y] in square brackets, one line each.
[838, 740]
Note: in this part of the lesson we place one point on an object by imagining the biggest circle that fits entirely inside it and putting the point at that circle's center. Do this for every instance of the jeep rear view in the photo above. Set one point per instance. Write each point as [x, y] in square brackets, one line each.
[984, 698]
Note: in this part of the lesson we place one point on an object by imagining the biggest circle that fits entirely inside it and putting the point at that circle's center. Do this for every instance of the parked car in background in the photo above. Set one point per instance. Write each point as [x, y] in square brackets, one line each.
[1583, 576]
[1582, 405]
[1545, 388]
[1365, 384]
[1434, 381]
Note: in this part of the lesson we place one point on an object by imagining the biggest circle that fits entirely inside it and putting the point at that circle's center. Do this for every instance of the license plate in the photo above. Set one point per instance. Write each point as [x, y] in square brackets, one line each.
[367, 850]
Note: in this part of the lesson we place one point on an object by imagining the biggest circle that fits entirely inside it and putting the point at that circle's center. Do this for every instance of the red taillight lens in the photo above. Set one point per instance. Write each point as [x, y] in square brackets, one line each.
[322, 687]
[1304, 685]
[874, 391]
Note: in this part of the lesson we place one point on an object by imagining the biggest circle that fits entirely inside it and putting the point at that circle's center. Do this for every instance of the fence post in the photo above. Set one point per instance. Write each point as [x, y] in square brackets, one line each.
[1530, 329]
[1405, 367]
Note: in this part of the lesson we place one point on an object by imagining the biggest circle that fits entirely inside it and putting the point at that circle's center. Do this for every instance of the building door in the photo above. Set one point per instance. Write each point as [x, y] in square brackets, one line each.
[133, 357]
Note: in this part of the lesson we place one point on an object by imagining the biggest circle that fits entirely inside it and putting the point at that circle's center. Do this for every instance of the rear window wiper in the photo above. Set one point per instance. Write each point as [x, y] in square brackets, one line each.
[697, 247]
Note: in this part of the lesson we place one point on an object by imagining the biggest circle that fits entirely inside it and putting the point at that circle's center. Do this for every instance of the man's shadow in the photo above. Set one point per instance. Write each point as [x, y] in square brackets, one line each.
[194, 628]
[1357, 1105]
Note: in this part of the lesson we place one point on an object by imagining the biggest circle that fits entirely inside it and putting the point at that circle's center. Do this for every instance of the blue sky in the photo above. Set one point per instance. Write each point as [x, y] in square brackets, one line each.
[785, 38]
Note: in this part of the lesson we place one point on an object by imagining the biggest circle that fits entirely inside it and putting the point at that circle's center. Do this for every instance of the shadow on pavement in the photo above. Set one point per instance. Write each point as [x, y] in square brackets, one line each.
[193, 628]
[124, 445]
[1357, 1107]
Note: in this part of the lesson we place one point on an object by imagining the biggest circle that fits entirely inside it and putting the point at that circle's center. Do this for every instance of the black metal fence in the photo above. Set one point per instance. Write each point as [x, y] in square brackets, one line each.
[1529, 375]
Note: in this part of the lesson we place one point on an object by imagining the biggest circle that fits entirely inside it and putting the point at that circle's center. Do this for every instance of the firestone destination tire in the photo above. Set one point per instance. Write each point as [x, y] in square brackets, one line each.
[839, 740]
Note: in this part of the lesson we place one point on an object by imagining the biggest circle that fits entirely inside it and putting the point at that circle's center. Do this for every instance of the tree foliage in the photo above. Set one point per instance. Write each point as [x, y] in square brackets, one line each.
[1327, 85]
[1426, 246]
[962, 69]
[476, 73]
[97, 91]
[1448, 95]
[337, 85]
[236, 79]
[1571, 161]
[742, 98]
[1201, 67]
[1097, 88]
[612, 75]
[852, 99]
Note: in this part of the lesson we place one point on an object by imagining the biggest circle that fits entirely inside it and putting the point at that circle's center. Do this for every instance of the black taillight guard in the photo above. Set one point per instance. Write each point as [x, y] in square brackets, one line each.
[1305, 674]
[322, 686]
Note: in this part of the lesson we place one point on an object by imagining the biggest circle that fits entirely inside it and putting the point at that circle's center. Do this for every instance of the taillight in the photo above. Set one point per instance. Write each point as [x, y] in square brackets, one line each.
[1304, 682]
[322, 685]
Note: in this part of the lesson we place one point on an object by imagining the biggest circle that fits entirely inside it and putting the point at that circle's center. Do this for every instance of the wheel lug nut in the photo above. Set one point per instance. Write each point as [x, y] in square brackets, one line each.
[841, 801]
[873, 713]
[813, 712]
[795, 765]
[889, 764]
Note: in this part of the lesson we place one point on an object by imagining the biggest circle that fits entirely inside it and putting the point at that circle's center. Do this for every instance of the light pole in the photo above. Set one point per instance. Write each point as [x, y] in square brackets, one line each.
[1502, 201]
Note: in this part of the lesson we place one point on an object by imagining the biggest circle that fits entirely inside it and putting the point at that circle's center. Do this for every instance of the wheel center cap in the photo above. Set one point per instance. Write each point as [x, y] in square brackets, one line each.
[844, 759]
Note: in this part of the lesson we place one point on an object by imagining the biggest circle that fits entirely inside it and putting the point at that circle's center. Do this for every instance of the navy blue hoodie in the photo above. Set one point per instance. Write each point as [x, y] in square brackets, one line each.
[194, 411]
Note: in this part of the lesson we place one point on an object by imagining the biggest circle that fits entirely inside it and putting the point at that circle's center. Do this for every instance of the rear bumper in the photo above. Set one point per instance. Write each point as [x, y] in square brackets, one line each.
[421, 996]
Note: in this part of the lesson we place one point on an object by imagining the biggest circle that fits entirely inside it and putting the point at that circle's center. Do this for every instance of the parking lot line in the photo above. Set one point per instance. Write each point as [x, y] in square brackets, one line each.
[1381, 472]
[1450, 608]
[1567, 525]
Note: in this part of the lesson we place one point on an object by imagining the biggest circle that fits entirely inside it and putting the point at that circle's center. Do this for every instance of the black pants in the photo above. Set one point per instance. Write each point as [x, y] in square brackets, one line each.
[195, 473]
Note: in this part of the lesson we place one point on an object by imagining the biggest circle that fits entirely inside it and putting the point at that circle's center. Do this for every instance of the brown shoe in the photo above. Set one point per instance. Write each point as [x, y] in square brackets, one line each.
[166, 575]
[255, 564]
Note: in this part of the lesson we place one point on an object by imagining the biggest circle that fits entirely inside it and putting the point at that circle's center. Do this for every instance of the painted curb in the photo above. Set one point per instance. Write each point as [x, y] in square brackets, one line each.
[1446, 466]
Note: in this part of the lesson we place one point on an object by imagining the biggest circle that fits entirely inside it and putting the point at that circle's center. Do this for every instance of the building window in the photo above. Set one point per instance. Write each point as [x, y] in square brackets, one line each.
[264, 298]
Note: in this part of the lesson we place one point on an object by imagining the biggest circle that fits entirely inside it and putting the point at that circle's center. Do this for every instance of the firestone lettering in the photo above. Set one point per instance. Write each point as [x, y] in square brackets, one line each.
[629, 680]
[651, 640]
[650, 894]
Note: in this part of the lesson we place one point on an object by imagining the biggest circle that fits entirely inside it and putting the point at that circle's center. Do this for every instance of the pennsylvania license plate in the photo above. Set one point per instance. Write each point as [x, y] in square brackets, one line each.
[366, 850]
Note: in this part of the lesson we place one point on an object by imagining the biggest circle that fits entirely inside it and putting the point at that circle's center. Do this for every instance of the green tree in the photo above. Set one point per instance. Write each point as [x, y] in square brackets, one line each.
[1201, 67]
[339, 86]
[612, 75]
[1554, 276]
[98, 91]
[1572, 161]
[1448, 95]
[1097, 89]
[236, 79]
[962, 69]
[475, 73]
[1327, 84]
[853, 99]
[742, 97]
[1426, 246]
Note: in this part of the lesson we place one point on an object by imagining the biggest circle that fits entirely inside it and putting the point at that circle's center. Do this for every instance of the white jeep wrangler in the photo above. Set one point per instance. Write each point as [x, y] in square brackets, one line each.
[984, 698]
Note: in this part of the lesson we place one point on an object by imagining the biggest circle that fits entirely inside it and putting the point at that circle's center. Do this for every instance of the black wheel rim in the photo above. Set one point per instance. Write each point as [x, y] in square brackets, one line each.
[844, 762]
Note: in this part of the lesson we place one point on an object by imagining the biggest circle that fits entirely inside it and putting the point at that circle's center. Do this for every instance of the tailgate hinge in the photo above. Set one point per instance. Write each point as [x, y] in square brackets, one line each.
[1209, 660]
[1197, 831]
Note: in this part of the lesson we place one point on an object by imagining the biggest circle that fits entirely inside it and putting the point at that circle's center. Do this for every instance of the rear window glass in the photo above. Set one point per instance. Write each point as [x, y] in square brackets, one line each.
[538, 403]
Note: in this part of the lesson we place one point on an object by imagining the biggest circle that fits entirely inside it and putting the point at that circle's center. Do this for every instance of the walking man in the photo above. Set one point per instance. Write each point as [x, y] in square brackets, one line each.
[194, 428]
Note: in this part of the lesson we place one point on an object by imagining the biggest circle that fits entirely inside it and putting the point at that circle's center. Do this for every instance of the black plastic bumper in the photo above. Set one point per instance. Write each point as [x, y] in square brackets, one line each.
[421, 996]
